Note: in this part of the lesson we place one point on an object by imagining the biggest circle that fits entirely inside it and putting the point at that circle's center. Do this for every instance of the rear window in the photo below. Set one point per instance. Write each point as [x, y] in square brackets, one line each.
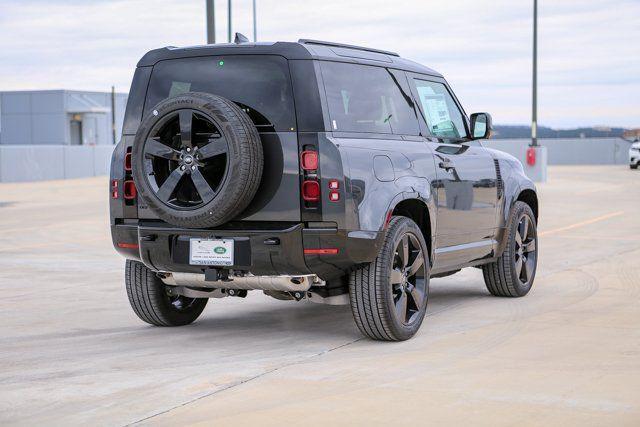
[260, 85]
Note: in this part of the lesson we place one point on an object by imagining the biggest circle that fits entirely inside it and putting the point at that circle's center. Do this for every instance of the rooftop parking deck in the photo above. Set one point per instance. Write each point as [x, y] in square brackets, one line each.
[73, 352]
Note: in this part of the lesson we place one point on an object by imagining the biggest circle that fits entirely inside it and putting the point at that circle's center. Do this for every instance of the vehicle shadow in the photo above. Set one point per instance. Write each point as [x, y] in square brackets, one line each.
[264, 318]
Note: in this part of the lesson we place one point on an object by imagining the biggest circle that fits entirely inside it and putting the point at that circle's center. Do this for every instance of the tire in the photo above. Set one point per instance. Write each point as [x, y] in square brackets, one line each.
[151, 303]
[633, 166]
[200, 174]
[512, 275]
[378, 288]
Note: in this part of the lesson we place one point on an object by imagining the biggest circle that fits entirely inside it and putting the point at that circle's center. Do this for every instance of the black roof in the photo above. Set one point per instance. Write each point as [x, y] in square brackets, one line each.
[303, 49]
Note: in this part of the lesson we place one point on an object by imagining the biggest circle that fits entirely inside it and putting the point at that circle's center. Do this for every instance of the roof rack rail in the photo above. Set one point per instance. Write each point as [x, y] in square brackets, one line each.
[347, 46]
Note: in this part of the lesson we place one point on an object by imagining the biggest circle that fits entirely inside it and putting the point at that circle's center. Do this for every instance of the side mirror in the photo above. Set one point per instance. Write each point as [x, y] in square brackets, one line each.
[481, 126]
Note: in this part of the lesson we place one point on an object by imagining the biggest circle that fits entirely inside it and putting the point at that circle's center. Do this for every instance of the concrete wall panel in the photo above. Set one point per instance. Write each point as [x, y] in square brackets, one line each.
[15, 103]
[47, 102]
[16, 129]
[49, 128]
[31, 163]
[102, 159]
[78, 161]
[588, 151]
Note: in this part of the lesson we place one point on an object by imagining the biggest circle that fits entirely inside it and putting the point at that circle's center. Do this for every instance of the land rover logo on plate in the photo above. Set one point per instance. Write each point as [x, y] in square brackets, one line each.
[211, 252]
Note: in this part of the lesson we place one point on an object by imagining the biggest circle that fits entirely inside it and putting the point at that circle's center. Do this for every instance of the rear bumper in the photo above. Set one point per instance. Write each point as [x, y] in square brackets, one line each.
[261, 252]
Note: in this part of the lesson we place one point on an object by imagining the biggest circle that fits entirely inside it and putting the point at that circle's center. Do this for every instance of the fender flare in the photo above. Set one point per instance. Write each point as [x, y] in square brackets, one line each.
[431, 209]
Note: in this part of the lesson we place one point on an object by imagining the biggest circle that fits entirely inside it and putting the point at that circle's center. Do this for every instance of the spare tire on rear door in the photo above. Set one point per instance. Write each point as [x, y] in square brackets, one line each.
[197, 160]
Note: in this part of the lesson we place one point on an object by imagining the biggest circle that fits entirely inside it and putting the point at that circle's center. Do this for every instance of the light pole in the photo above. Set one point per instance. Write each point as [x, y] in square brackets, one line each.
[535, 164]
[255, 32]
[534, 110]
[229, 21]
[211, 22]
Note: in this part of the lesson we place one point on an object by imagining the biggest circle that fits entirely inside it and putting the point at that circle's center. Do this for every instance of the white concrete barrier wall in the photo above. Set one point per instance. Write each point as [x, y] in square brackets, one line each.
[42, 162]
[587, 151]
[20, 163]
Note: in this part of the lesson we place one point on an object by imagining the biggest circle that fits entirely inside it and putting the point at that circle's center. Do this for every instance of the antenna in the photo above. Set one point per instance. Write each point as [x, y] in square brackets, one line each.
[240, 38]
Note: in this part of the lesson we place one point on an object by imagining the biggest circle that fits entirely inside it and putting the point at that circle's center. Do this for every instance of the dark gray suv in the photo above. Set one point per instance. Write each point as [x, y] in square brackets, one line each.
[311, 171]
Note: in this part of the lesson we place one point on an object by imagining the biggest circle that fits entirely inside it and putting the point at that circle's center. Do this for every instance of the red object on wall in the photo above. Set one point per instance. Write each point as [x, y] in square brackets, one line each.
[531, 156]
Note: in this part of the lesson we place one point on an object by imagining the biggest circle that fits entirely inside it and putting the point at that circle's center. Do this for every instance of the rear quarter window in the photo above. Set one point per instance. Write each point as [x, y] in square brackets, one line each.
[259, 84]
[368, 99]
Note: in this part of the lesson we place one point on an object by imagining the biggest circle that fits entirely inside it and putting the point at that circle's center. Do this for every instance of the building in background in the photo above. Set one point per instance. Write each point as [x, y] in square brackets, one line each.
[57, 134]
[62, 117]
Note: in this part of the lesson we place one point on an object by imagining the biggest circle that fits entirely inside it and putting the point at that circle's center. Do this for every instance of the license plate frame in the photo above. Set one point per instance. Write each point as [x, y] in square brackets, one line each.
[211, 252]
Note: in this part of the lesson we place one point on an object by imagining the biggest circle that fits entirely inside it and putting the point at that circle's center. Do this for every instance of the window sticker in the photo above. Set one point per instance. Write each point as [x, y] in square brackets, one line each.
[435, 108]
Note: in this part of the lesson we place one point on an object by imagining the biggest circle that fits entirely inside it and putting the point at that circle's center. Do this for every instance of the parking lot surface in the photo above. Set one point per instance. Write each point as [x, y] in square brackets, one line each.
[73, 352]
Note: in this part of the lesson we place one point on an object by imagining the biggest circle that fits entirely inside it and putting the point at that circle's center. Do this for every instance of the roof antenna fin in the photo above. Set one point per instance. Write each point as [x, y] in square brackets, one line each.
[240, 38]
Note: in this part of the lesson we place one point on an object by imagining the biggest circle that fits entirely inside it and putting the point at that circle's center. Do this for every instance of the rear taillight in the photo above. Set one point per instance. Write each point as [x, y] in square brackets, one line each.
[310, 187]
[311, 191]
[114, 189]
[334, 190]
[127, 162]
[129, 190]
[309, 160]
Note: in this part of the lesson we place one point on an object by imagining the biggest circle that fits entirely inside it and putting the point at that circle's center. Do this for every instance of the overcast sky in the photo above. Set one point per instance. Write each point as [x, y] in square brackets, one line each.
[589, 50]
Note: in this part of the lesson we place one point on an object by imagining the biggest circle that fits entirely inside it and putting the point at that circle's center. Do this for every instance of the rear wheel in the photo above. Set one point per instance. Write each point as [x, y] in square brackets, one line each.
[389, 296]
[151, 302]
[513, 273]
[635, 166]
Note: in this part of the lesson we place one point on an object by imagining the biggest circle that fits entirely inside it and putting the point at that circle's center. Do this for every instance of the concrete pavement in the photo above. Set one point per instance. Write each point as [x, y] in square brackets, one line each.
[73, 352]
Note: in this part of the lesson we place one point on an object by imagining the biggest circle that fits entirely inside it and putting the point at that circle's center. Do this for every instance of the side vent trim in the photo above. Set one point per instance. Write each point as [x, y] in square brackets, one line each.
[499, 182]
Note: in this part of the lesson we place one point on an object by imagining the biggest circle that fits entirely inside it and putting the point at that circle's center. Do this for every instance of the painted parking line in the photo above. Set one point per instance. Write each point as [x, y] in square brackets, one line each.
[582, 223]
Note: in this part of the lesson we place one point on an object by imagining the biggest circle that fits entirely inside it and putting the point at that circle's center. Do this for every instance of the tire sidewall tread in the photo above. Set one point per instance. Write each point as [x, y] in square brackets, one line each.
[370, 291]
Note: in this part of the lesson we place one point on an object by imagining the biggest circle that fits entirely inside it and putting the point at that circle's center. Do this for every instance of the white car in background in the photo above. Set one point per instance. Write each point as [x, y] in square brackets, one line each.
[634, 155]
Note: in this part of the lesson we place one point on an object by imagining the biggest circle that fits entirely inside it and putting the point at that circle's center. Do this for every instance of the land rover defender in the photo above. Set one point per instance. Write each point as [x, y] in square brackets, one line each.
[310, 171]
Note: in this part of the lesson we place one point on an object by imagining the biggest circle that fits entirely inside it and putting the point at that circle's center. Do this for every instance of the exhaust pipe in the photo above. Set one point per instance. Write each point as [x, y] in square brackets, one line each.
[249, 282]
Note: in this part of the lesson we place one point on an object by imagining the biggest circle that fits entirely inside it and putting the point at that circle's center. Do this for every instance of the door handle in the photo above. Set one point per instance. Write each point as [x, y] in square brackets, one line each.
[446, 164]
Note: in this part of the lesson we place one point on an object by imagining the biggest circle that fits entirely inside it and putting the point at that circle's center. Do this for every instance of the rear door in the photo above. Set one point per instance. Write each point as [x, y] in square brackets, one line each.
[261, 86]
[466, 176]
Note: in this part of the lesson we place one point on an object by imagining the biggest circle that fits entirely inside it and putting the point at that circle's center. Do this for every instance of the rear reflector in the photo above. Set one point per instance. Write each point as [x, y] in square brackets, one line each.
[311, 191]
[130, 191]
[127, 162]
[324, 251]
[128, 245]
[309, 160]
[387, 220]
[114, 189]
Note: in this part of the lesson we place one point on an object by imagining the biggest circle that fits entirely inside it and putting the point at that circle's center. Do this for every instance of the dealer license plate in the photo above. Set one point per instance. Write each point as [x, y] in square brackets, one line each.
[210, 252]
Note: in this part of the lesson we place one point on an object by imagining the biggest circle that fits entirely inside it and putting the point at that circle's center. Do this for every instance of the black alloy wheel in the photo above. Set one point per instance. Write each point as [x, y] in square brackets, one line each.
[408, 279]
[512, 274]
[525, 250]
[186, 159]
[389, 295]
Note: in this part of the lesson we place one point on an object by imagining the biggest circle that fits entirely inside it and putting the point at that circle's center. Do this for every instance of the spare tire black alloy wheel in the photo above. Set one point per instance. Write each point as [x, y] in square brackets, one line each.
[197, 160]
[185, 159]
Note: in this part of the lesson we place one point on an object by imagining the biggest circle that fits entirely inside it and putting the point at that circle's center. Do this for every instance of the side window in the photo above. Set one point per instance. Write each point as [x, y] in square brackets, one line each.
[367, 99]
[440, 110]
